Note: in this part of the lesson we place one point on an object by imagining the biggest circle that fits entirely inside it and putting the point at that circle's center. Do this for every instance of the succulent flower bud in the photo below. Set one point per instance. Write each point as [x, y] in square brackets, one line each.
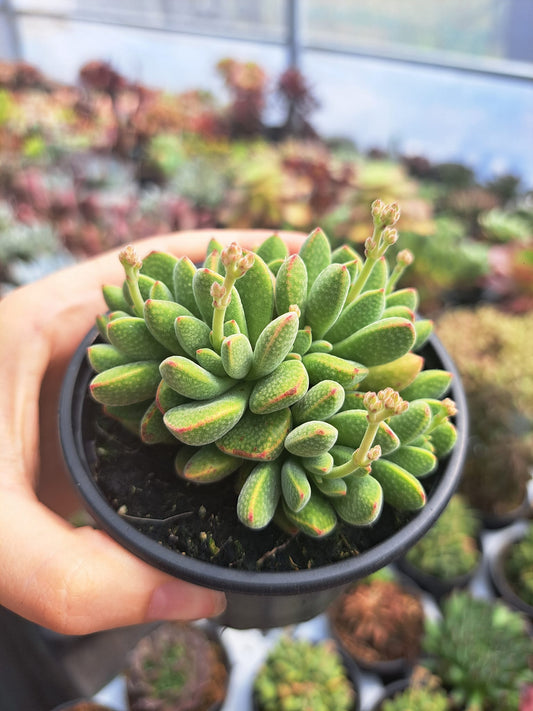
[389, 235]
[294, 308]
[370, 246]
[374, 453]
[377, 208]
[231, 254]
[390, 214]
[245, 263]
[405, 257]
[450, 406]
[218, 292]
[128, 257]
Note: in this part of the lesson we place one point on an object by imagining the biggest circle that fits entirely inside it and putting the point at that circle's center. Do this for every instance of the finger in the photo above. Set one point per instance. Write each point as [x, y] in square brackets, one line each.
[77, 581]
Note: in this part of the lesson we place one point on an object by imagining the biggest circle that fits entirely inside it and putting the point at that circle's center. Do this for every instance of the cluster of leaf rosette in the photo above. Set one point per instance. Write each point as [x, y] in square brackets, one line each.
[298, 372]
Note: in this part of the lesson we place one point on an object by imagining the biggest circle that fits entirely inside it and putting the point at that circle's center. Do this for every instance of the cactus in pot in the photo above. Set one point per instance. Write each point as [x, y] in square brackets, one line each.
[296, 373]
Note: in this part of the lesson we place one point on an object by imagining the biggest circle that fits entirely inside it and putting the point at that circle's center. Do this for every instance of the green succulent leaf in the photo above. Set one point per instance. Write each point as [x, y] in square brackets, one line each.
[413, 422]
[326, 298]
[237, 355]
[399, 311]
[103, 356]
[126, 384]
[184, 271]
[321, 346]
[302, 342]
[378, 276]
[353, 400]
[291, 285]
[403, 297]
[211, 361]
[295, 484]
[114, 298]
[212, 261]
[160, 318]
[319, 465]
[274, 344]
[443, 439]
[401, 489]
[101, 322]
[316, 255]
[272, 248]
[166, 398]
[145, 287]
[161, 292]
[132, 337]
[257, 437]
[203, 422]
[129, 416]
[281, 388]
[319, 403]
[256, 290]
[363, 501]
[259, 497]
[367, 308]
[428, 384]
[417, 460]
[231, 328]
[325, 366]
[311, 438]
[423, 330]
[352, 425]
[152, 428]
[208, 464]
[316, 519]
[330, 487]
[378, 343]
[191, 380]
[192, 333]
[160, 267]
[202, 281]
[397, 374]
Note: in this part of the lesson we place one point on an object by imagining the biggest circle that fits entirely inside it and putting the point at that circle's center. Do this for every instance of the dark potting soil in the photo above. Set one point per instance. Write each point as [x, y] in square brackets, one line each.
[139, 480]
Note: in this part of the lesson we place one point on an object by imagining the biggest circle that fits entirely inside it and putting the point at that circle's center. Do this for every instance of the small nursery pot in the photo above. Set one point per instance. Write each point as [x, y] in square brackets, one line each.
[499, 579]
[254, 598]
[494, 521]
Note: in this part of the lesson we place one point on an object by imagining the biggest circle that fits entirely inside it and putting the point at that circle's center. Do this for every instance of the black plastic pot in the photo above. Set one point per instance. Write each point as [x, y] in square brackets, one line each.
[254, 599]
[494, 521]
[499, 580]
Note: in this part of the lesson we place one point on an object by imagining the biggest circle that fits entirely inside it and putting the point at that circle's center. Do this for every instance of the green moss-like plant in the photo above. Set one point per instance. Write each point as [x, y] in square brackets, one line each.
[297, 371]
[301, 676]
[518, 566]
[449, 549]
[423, 694]
[482, 651]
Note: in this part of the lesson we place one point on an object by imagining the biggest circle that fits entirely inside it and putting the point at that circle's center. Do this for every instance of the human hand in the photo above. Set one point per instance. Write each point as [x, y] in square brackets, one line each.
[73, 580]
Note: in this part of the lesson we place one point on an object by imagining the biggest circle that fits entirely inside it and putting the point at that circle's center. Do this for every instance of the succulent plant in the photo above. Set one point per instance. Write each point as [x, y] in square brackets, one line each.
[482, 651]
[176, 668]
[519, 566]
[449, 549]
[379, 620]
[423, 694]
[292, 380]
[299, 675]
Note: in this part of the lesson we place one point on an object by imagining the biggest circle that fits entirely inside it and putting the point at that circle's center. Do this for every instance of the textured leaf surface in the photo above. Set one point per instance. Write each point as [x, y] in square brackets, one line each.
[160, 266]
[184, 271]
[272, 248]
[200, 423]
[208, 464]
[114, 298]
[167, 398]
[129, 416]
[256, 290]
[378, 343]
[326, 298]
[160, 317]
[259, 497]
[319, 403]
[331, 487]
[311, 438]
[416, 460]
[366, 308]
[103, 356]
[413, 422]
[295, 485]
[325, 366]
[161, 292]
[401, 489]
[428, 384]
[303, 341]
[363, 502]
[319, 465]
[274, 343]
[316, 519]
[282, 388]
[257, 437]
[211, 361]
[378, 276]
[316, 255]
[237, 355]
[202, 281]
[152, 428]
[397, 374]
[403, 297]
[423, 330]
[291, 285]
[191, 380]
[131, 336]
[126, 384]
[443, 438]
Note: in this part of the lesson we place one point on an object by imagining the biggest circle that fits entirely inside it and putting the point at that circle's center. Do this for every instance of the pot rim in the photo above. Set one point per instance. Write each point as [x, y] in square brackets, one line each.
[242, 581]
[499, 577]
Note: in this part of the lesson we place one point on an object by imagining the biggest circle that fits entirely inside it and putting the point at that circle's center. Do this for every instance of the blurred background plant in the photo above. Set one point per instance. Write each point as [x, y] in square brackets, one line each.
[518, 566]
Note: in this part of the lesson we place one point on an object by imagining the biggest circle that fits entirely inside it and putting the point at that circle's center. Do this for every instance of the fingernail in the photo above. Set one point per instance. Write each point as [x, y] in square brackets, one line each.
[177, 600]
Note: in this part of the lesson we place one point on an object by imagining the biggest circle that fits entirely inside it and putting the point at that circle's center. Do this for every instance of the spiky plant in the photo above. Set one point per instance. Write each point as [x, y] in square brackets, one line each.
[423, 694]
[481, 651]
[285, 368]
[299, 675]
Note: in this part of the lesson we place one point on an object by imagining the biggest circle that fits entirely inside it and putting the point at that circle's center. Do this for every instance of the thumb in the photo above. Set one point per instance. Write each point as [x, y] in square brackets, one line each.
[78, 580]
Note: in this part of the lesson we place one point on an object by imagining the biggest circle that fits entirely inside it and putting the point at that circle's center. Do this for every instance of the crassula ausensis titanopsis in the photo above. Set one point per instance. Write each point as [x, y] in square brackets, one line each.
[297, 373]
